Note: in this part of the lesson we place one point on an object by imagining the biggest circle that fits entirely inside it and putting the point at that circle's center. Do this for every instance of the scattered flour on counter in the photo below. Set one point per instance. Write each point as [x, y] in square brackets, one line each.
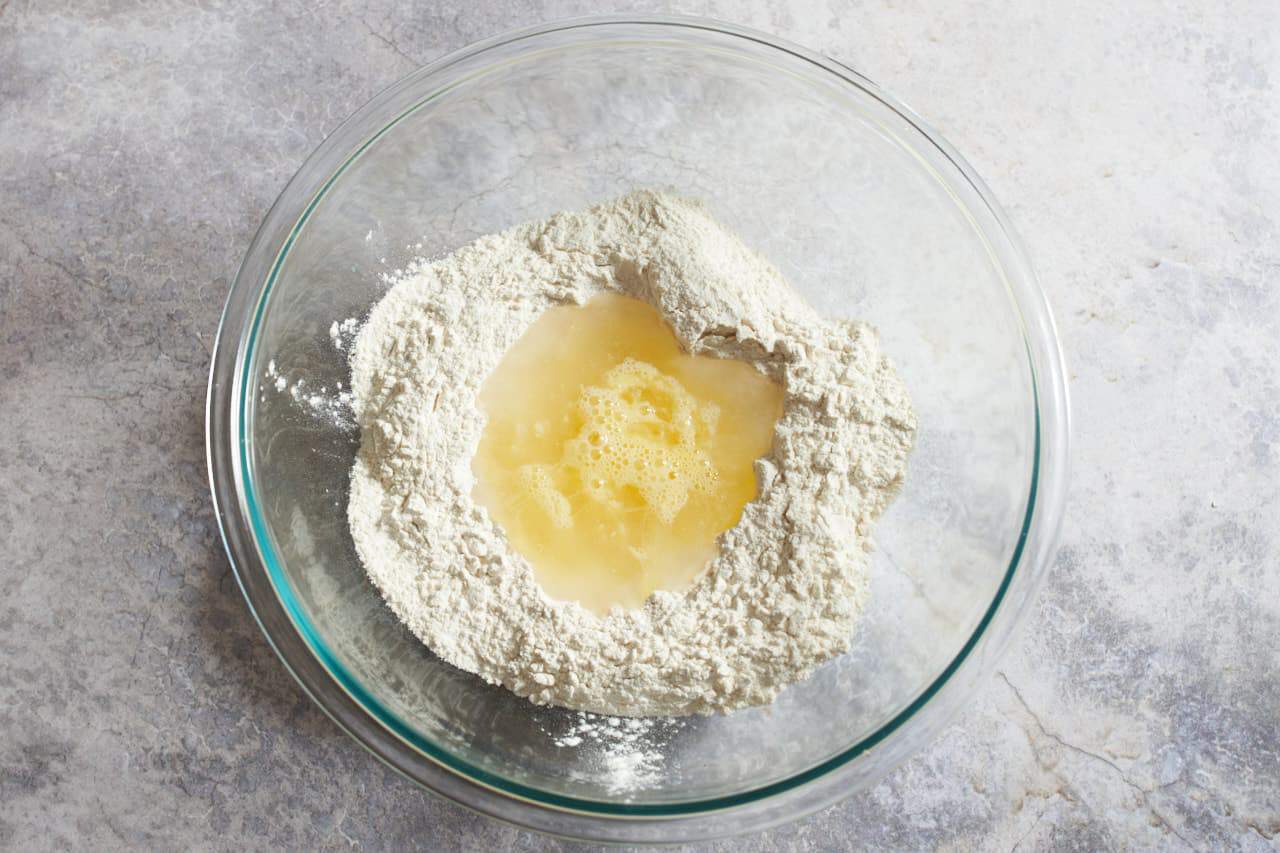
[786, 588]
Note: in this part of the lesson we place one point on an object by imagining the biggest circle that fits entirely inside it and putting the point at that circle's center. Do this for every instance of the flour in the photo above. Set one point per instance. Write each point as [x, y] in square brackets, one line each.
[343, 332]
[784, 592]
[329, 405]
[625, 752]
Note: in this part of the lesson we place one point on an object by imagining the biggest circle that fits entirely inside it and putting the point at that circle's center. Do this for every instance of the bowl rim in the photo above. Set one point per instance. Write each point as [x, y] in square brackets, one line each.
[343, 698]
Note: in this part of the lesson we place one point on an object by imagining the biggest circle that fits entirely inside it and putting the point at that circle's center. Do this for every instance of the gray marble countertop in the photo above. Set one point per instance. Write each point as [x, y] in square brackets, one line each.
[1134, 146]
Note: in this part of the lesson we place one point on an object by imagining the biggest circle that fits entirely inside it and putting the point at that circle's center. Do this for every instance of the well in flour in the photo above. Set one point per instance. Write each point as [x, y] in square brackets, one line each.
[785, 585]
[610, 458]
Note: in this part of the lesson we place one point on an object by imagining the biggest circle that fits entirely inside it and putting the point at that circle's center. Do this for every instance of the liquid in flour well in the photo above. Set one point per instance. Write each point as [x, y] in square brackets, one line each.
[611, 458]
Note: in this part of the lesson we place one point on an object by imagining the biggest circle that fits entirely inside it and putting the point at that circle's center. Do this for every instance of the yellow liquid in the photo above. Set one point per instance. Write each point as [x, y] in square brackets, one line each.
[612, 459]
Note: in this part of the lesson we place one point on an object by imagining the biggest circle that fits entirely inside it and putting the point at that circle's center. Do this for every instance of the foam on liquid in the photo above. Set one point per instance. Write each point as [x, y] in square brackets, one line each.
[611, 458]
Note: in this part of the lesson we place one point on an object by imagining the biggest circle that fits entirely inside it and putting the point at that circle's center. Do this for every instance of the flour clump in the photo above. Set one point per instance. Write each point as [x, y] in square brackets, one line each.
[787, 583]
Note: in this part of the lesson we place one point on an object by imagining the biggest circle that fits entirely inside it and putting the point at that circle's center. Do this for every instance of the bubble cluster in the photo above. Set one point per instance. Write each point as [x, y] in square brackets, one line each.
[537, 482]
[640, 435]
[638, 448]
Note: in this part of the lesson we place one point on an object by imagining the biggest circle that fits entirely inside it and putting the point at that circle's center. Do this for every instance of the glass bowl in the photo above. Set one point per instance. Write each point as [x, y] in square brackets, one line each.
[867, 212]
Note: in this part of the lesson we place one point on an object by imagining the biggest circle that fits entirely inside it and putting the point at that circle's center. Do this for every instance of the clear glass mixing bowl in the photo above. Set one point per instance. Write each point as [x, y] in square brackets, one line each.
[866, 211]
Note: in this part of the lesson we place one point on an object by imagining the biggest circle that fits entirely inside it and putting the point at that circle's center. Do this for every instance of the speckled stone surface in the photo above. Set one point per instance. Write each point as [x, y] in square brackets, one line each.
[1133, 145]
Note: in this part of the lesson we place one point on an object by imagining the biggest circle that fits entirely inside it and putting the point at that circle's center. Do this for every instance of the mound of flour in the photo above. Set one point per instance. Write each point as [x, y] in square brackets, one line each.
[788, 583]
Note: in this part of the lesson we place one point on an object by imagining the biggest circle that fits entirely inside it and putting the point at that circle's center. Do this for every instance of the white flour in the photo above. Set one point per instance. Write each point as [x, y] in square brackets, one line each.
[332, 406]
[621, 749]
[785, 590]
